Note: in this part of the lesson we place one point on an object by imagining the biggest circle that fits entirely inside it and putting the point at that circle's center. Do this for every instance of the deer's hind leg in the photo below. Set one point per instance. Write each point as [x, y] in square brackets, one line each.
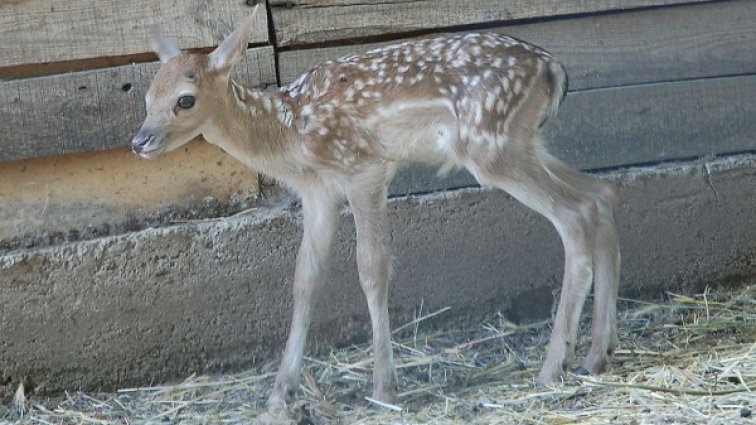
[369, 206]
[606, 260]
[518, 169]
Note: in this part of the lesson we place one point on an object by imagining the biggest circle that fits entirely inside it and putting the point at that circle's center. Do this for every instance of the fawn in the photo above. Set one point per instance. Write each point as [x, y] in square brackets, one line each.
[340, 132]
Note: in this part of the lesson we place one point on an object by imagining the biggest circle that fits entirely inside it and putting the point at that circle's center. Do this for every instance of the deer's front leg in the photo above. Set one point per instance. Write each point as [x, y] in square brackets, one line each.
[320, 221]
[373, 265]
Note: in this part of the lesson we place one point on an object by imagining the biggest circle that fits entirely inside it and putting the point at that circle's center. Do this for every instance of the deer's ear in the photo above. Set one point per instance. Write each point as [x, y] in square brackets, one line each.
[164, 48]
[231, 50]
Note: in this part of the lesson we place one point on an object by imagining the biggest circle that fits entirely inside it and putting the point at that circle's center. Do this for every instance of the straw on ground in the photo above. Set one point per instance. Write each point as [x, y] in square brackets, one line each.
[690, 360]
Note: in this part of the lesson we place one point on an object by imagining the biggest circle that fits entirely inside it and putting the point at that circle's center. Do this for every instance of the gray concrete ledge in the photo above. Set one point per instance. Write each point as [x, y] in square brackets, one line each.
[159, 304]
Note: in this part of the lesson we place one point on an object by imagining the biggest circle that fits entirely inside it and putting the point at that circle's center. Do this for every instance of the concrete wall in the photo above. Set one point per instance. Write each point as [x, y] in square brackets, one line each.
[162, 303]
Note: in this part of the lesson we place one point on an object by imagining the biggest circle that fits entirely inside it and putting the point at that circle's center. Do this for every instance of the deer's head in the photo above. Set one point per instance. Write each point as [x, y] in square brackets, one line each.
[186, 91]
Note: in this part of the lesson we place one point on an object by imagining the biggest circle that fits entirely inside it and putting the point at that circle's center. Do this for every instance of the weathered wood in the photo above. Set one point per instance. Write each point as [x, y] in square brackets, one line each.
[90, 110]
[693, 41]
[50, 31]
[656, 122]
[320, 3]
[316, 22]
[634, 125]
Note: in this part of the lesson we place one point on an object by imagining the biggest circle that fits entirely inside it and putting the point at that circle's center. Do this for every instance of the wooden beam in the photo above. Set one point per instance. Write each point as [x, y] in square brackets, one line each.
[319, 3]
[312, 21]
[91, 110]
[634, 125]
[693, 41]
[52, 31]
[656, 122]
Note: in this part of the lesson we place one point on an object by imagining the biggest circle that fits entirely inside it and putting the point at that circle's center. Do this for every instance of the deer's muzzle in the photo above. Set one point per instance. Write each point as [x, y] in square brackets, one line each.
[147, 143]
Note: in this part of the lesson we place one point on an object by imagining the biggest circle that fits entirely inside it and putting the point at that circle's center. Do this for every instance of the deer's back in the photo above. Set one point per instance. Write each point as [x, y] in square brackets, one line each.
[421, 99]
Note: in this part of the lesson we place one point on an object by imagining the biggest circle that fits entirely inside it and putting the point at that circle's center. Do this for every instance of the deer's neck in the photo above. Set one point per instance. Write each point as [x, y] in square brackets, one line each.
[256, 128]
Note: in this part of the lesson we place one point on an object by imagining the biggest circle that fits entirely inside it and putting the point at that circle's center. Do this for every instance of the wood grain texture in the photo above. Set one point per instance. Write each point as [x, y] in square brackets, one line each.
[655, 122]
[315, 22]
[322, 3]
[91, 110]
[635, 125]
[693, 41]
[37, 31]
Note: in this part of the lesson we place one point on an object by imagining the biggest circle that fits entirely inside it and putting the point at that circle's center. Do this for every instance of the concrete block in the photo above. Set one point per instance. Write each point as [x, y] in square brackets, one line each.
[162, 303]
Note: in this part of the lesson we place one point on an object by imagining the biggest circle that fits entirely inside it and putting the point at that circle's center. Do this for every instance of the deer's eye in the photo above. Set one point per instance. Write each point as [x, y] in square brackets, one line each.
[186, 102]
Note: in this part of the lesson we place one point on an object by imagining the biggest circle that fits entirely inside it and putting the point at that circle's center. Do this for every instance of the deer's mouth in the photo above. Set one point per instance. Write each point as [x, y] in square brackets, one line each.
[151, 154]
[148, 145]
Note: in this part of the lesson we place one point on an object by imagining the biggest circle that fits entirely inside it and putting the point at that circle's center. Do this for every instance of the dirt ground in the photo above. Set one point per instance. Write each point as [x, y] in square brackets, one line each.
[690, 360]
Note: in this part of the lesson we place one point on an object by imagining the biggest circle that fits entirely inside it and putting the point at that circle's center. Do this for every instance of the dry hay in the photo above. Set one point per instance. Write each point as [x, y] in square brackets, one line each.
[691, 360]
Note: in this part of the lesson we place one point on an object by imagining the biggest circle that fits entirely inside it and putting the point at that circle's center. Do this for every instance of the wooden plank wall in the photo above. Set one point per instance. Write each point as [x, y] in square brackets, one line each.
[653, 45]
[315, 21]
[650, 80]
[53, 31]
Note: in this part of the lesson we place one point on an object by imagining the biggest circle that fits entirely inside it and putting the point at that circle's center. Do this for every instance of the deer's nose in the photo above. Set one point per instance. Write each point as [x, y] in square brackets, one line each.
[142, 141]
